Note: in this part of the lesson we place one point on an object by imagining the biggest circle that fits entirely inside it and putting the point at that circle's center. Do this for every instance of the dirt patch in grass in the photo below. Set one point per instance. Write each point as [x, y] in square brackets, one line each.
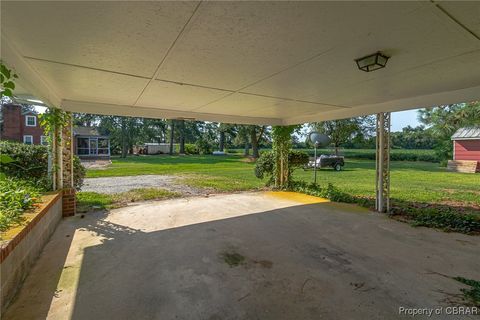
[93, 201]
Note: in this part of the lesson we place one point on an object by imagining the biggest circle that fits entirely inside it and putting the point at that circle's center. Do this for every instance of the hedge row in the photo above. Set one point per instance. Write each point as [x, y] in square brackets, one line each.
[369, 154]
[30, 162]
[395, 154]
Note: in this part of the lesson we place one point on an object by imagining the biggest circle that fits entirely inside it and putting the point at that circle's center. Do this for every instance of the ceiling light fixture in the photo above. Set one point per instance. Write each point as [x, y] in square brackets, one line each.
[372, 62]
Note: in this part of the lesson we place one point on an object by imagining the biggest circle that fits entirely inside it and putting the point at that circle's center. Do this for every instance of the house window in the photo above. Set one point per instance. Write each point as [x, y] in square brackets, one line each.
[103, 147]
[83, 146]
[43, 140]
[28, 139]
[30, 121]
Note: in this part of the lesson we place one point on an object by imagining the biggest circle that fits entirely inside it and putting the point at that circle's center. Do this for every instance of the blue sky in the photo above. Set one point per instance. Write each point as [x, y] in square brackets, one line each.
[402, 119]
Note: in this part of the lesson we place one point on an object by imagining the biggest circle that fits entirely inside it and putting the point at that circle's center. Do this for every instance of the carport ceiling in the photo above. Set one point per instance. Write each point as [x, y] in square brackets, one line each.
[243, 62]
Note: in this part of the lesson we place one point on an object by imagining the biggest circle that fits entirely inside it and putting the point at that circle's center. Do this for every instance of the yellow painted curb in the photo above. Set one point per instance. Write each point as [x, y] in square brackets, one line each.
[295, 196]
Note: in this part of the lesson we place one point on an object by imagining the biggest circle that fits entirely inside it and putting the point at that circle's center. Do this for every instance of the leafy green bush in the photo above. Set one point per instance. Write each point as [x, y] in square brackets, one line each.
[433, 216]
[369, 154]
[16, 196]
[191, 149]
[471, 295]
[442, 217]
[30, 162]
[265, 165]
[79, 173]
[204, 146]
[395, 154]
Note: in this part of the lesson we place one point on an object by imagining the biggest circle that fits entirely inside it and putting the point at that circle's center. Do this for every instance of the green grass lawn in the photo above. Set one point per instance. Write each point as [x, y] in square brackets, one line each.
[410, 181]
[91, 201]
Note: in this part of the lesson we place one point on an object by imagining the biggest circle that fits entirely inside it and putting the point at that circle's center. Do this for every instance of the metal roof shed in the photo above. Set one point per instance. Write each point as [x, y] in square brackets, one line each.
[466, 144]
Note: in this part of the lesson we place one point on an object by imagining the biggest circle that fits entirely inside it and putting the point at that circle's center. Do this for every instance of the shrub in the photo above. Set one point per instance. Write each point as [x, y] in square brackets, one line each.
[470, 295]
[395, 154]
[79, 173]
[191, 149]
[30, 162]
[204, 146]
[427, 215]
[265, 165]
[16, 196]
[440, 216]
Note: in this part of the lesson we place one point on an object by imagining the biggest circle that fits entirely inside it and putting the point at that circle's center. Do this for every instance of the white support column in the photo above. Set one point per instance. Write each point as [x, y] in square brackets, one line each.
[382, 203]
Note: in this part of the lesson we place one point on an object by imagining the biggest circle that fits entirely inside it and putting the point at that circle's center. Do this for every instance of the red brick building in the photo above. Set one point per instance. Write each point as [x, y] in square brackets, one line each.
[21, 124]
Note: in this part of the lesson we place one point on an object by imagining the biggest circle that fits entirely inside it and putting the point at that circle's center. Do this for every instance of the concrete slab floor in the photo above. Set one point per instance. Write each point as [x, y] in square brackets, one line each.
[243, 256]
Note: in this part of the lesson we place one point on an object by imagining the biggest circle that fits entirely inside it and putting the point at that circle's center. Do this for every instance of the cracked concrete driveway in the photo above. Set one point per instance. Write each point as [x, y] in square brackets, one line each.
[243, 256]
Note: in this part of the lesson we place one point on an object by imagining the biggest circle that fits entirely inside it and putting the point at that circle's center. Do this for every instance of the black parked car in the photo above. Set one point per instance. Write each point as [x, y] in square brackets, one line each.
[336, 162]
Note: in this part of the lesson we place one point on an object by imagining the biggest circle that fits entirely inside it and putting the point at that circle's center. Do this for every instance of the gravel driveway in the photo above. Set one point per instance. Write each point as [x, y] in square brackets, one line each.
[127, 183]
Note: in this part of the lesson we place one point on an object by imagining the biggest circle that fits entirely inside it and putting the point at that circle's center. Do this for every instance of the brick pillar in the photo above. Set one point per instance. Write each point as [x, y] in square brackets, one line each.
[62, 152]
[68, 202]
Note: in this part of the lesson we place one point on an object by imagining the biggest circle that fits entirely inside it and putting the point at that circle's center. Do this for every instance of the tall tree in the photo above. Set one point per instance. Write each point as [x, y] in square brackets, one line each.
[243, 138]
[256, 134]
[124, 137]
[444, 120]
[172, 132]
[124, 132]
[225, 130]
[181, 131]
[340, 131]
[85, 119]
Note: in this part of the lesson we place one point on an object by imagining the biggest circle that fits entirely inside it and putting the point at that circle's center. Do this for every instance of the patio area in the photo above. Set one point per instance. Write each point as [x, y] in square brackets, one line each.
[268, 255]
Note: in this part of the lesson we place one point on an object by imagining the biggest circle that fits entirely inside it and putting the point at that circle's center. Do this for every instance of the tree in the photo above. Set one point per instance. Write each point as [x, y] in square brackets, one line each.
[341, 131]
[124, 132]
[256, 134]
[84, 119]
[172, 132]
[444, 120]
[242, 138]
[414, 138]
[181, 131]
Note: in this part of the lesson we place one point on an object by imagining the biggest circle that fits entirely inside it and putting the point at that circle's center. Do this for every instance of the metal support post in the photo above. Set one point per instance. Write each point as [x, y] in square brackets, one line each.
[382, 203]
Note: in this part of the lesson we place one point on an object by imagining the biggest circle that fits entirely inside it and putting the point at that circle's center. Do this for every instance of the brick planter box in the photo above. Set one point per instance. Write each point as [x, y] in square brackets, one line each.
[21, 246]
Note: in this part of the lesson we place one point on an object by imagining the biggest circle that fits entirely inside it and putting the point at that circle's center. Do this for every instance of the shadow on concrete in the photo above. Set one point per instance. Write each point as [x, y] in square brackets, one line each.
[48, 281]
[291, 263]
[324, 260]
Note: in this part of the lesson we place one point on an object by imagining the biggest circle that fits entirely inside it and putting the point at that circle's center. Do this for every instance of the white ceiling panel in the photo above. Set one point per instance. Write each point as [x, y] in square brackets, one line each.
[468, 12]
[122, 36]
[90, 85]
[330, 75]
[257, 62]
[178, 96]
[268, 37]
[259, 106]
[461, 72]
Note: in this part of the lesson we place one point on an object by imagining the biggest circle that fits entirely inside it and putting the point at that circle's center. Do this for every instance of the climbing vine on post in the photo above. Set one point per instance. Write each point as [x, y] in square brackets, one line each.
[7, 81]
[53, 119]
[282, 143]
[54, 122]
